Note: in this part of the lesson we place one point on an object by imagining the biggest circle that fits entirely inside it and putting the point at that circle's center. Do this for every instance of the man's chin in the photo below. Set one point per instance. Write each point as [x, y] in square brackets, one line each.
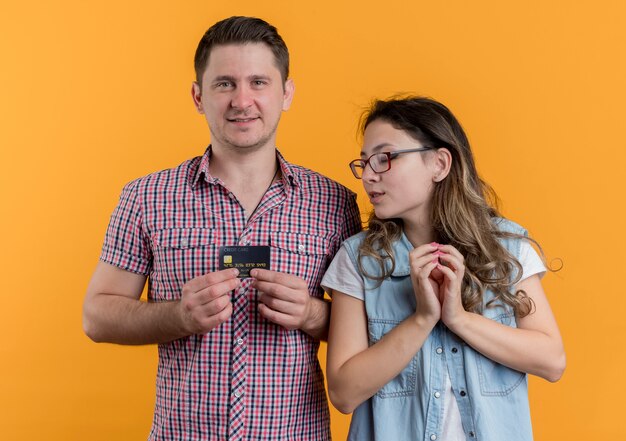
[249, 144]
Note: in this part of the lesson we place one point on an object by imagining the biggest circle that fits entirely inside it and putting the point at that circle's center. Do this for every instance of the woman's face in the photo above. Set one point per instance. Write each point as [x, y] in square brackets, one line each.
[405, 190]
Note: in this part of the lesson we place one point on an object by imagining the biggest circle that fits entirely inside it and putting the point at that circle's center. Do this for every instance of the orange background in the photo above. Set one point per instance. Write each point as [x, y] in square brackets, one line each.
[94, 94]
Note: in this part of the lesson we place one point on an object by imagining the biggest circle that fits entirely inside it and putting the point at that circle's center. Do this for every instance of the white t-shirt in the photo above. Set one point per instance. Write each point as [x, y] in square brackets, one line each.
[344, 277]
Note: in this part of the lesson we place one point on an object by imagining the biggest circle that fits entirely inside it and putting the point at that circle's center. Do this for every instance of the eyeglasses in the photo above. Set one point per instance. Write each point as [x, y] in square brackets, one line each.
[379, 162]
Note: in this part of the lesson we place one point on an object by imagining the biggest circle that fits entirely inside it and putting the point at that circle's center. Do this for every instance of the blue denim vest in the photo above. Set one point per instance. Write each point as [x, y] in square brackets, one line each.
[492, 399]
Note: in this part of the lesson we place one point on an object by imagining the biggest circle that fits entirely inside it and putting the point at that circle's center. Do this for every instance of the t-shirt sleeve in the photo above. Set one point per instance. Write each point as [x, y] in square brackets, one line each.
[343, 276]
[530, 261]
[126, 245]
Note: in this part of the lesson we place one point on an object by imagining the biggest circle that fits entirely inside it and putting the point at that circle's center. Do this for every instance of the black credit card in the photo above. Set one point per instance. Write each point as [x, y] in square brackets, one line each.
[245, 258]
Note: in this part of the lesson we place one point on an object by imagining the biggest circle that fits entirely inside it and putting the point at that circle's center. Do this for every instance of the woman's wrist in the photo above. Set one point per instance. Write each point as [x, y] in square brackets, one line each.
[424, 321]
[458, 322]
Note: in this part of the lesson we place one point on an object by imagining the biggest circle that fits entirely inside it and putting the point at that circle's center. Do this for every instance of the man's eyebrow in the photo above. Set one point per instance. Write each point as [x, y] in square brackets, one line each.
[232, 79]
[378, 147]
[223, 78]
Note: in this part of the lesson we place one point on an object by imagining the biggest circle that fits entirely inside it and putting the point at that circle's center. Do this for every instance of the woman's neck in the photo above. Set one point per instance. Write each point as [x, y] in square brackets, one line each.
[419, 232]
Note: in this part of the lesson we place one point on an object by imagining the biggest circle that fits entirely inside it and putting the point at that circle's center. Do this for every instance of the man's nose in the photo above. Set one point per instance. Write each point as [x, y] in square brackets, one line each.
[242, 98]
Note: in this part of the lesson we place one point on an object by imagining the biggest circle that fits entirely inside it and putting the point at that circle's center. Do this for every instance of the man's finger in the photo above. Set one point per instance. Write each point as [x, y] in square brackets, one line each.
[205, 280]
[283, 279]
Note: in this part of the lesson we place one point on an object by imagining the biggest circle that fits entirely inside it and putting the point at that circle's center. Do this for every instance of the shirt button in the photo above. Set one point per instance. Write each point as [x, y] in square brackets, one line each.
[184, 242]
[437, 394]
[237, 394]
[433, 437]
[454, 350]
[463, 393]
[240, 341]
[472, 435]
[439, 350]
[300, 247]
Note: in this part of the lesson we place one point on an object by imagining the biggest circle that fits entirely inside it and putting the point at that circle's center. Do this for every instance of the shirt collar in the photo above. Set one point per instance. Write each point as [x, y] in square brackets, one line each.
[289, 171]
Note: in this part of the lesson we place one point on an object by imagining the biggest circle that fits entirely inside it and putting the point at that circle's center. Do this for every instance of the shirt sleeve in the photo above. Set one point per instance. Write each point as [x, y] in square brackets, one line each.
[352, 218]
[530, 261]
[126, 245]
[343, 276]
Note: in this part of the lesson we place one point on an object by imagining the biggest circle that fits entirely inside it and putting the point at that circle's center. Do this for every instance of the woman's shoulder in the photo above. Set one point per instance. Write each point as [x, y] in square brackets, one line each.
[356, 240]
[508, 226]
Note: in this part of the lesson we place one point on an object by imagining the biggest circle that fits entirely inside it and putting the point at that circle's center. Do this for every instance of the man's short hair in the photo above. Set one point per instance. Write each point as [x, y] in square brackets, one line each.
[242, 30]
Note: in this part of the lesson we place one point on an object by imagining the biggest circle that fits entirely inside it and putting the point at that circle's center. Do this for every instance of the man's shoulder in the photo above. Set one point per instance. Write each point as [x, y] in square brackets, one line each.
[166, 178]
[312, 180]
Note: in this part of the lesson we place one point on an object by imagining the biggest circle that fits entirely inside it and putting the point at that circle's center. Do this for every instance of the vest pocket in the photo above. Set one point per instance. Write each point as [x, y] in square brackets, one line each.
[404, 383]
[496, 379]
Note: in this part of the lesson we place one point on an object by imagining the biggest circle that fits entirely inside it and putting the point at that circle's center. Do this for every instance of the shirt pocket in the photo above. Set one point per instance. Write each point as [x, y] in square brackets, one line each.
[404, 383]
[302, 255]
[180, 254]
[496, 379]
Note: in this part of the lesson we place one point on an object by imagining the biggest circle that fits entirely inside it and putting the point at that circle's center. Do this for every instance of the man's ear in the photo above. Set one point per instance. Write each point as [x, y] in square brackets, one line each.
[290, 89]
[196, 95]
[442, 163]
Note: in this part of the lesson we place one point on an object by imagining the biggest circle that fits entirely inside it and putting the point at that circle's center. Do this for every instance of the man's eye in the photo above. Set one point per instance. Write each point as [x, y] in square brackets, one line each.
[223, 84]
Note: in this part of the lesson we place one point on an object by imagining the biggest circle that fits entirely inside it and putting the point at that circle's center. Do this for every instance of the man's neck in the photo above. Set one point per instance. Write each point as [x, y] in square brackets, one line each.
[246, 173]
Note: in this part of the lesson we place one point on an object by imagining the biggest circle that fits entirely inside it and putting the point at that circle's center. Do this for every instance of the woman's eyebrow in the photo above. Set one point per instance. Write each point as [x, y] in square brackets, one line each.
[378, 147]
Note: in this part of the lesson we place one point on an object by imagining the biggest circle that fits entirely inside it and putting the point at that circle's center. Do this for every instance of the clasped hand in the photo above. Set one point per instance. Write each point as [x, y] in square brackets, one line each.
[437, 274]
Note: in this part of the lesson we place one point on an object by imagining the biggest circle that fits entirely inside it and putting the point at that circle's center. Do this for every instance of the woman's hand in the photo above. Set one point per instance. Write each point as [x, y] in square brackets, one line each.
[451, 268]
[423, 261]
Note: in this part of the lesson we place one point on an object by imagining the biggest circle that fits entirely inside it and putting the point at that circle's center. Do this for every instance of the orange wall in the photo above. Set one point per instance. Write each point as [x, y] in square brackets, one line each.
[94, 94]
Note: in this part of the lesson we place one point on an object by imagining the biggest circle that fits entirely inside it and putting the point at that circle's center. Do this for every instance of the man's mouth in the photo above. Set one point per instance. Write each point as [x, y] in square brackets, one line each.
[242, 120]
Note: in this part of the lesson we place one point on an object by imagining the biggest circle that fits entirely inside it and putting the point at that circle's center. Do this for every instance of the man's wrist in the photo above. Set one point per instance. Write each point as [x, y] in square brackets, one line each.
[316, 323]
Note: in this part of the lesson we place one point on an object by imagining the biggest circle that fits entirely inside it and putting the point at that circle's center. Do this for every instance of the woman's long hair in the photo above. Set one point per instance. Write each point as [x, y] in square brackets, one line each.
[463, 208]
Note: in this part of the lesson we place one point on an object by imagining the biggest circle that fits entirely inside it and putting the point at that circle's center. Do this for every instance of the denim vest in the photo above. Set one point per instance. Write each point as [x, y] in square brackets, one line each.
[492, 398]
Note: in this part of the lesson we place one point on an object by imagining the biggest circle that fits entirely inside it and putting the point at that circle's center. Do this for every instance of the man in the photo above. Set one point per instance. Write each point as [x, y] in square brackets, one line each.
[237, 355]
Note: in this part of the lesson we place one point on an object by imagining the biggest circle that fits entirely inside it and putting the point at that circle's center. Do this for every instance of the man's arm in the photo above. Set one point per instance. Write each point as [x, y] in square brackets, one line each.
[114, 313]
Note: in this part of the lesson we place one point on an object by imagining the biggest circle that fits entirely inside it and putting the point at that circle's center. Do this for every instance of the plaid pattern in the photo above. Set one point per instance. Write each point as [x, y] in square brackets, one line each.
[247, 379]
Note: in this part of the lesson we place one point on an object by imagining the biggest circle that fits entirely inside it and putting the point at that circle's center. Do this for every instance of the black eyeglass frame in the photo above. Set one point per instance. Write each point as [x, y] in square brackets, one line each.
[390, 155]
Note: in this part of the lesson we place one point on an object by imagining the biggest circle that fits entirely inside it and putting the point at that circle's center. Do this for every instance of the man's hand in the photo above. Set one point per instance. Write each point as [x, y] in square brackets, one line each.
[205, 302]
[285, 300]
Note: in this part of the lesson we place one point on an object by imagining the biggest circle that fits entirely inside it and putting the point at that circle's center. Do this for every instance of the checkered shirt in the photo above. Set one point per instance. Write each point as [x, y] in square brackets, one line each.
[247, 379]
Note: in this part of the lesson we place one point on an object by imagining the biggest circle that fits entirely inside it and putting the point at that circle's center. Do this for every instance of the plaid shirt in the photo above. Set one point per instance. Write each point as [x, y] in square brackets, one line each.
[247, 379]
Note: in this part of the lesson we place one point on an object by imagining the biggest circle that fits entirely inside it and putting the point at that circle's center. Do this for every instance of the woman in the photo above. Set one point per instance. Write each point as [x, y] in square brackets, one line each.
[438, 310]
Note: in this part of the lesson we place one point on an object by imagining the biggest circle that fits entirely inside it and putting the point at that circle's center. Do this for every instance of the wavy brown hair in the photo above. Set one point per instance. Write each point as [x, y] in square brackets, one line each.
[463, 208]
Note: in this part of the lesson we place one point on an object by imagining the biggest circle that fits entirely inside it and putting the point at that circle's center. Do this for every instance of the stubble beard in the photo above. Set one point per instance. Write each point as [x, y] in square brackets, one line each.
[230, 143]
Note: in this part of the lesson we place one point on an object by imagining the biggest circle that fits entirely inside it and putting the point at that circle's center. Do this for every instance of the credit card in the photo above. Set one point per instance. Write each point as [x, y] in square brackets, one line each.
[245, 258]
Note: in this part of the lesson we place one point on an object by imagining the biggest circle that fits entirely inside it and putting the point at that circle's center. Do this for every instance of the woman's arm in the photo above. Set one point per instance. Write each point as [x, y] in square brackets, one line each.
[355, 371]
[535, 346]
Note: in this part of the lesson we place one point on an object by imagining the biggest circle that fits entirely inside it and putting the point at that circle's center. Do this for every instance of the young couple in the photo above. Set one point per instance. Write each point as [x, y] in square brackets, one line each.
[438, 312]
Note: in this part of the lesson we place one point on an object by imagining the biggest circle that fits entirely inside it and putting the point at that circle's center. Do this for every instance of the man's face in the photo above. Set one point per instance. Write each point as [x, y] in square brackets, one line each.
[242, 96]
